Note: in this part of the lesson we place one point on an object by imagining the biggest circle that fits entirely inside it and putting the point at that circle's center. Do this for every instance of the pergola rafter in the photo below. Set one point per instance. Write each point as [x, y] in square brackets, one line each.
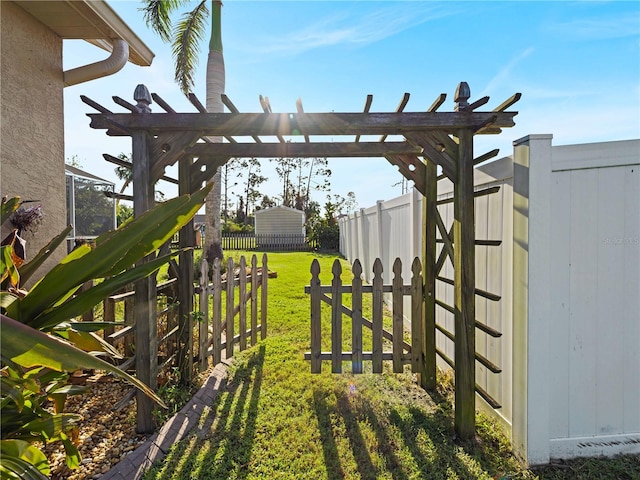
[431, 139]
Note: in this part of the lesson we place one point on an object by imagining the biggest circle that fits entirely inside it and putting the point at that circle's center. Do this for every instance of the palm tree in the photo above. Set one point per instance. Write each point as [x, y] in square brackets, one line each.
[185, 39]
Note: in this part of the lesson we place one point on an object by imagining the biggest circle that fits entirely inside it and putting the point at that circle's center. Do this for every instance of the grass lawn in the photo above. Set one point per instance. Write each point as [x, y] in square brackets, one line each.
[278, 421]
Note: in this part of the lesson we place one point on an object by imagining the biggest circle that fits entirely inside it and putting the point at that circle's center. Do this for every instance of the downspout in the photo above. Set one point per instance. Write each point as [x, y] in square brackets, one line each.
[114, 63]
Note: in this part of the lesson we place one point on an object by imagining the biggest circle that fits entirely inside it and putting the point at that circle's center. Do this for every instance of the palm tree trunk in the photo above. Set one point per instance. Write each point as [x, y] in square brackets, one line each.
[215, 87]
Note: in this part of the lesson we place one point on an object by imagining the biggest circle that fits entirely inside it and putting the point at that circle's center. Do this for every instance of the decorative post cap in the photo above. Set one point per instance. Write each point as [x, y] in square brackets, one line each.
[463, 92]
[143, 98]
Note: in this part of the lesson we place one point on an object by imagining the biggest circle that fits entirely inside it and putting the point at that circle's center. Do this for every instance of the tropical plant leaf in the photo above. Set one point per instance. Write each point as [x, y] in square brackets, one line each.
[9, 270]
[84, 301]
[156, 229]
[114, 252]
[29, 347]
[69, 390]
[51, 426]
[28, 269]
[13, 467]
[157, 15]
[72, 457]
[186, 45]
[6, 299]
[90, 342]
[8, 206]
[24, 459]
[59, 394]
[11, 392]
[88, 326]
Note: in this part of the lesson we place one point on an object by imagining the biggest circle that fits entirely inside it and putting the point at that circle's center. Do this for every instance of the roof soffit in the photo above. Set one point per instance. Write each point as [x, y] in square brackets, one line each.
[93, 21]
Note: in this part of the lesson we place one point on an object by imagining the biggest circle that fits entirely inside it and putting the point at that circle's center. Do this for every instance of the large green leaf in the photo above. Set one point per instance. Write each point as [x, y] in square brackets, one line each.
[11, 392]
[88, 326]
[7, 207]
[6, 299]
[8, 268]
[24, 459]
[86, 300]
[51, 426]
[28, 269]
[114, 252]
[72, 457]
[158, 229]
[29, 347]
[89, 342]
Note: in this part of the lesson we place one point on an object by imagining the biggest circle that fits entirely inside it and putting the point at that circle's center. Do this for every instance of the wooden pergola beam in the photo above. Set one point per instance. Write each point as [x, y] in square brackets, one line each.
[203, 169]
[411, 167]
[337, 149]
[291, 124]
[167, 149]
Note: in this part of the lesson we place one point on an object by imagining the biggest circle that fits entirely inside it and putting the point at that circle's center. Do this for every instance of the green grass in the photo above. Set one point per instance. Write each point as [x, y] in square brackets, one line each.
[276, 420]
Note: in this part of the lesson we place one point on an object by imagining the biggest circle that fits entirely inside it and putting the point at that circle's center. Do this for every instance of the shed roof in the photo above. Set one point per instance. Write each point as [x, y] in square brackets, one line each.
[94, 21]
[279, 207]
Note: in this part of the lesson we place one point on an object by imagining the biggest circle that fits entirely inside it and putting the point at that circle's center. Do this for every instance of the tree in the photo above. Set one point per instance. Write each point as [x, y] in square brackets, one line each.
[231, 171]
[251, 184]
[285, 168]
[123, 213]
[299, 177]
[124, 173]
[185, 39]
[317, 178]
[266, 202]
[341, 205]
[73, 161]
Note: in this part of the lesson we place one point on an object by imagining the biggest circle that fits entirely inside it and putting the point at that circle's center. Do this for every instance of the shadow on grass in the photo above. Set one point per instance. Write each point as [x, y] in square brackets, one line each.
[350, 414]
[225, 439]
[428, 437]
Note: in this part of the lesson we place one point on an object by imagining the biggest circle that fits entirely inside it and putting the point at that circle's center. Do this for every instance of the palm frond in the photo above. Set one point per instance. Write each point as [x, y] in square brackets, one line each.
[157, 16]
[186, 45]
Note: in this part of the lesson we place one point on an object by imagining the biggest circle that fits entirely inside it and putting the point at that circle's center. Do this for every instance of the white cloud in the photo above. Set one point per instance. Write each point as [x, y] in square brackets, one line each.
[599, 28]
[502, 76]
[354, 28]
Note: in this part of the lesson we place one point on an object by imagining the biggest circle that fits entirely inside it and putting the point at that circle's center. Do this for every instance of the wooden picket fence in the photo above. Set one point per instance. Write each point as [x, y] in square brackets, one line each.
[245, 296]
[220, 341]
[272, 242]
[401, 352]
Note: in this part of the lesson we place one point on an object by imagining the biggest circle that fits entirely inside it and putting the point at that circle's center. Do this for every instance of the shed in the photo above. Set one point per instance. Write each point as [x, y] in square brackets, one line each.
[279, 225]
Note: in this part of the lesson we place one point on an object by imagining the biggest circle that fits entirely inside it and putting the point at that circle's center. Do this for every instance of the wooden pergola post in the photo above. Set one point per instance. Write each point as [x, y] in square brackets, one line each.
[185, 281]
[146, 336]
[426, 134]
[428, 370]
[464, 277]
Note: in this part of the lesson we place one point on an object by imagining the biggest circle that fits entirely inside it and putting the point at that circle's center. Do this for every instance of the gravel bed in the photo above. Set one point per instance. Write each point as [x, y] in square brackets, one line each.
[105, 436]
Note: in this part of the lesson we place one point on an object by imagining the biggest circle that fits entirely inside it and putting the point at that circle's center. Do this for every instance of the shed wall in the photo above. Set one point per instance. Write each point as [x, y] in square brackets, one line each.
[279, 221]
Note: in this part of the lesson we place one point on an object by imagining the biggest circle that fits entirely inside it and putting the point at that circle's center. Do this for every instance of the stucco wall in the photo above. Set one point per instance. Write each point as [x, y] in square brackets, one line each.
[32, 135]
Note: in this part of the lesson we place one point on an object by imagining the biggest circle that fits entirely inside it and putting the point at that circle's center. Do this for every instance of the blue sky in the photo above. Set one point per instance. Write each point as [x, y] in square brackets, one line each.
[577, 65]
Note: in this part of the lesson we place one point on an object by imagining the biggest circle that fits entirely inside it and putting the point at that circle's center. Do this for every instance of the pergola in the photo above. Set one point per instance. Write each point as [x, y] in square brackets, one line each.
[435, 145]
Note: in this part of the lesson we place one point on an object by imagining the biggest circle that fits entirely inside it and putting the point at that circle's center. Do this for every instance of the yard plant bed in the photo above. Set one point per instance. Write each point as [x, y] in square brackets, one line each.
[275, 420]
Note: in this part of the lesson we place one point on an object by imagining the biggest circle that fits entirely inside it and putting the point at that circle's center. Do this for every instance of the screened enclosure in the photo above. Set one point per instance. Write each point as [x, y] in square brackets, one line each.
[89, 210]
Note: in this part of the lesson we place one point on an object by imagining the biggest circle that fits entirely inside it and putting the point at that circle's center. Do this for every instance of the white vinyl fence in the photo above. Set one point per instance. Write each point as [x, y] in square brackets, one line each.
[567, 272]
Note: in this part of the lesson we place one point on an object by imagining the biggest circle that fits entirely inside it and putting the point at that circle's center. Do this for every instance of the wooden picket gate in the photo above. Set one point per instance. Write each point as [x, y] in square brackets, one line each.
[215, 344]
[401, 352]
